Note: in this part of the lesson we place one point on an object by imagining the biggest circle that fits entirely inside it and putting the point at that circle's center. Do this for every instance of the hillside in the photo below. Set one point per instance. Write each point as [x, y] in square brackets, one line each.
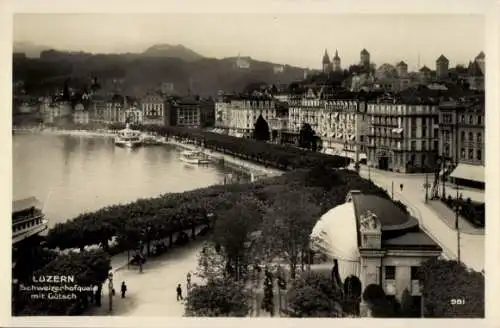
[177, 51]
[134, 74]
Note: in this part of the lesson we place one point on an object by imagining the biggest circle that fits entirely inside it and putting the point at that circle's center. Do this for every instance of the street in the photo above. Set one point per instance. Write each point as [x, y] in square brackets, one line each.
[413, 195]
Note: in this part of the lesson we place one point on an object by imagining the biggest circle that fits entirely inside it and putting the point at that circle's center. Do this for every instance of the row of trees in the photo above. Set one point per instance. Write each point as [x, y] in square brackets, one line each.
[282, 157]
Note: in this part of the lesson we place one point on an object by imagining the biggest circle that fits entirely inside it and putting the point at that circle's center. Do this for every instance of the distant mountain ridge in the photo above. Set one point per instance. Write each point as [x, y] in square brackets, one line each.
[136, 73]
[172, 51]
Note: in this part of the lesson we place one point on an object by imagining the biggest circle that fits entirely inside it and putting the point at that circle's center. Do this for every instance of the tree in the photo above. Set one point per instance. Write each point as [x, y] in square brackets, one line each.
[377, 302]
[287, 226]
[314, 295]
[219, 298]
[233, 229]
[268, 301]
[445, 281]
[261, 129]
[211, 264]
[352, 295]
[307, 137]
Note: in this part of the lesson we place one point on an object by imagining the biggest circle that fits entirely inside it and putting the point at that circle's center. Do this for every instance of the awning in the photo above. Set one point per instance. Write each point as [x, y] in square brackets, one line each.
[469, 172]
[397, 130]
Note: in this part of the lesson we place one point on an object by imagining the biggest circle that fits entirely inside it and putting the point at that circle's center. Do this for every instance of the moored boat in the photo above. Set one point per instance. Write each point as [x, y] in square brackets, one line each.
[194, 157]
[128, 138]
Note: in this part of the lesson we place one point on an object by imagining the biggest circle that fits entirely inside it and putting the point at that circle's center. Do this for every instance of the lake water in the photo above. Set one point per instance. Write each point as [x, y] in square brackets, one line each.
[75, 174]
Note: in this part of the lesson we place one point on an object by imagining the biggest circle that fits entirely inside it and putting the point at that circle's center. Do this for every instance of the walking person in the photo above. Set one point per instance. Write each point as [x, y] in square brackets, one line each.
[179, 292]
[124, 289]
[401, 187]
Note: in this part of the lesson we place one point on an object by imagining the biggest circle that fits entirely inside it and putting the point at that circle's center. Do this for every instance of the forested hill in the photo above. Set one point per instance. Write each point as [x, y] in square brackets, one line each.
[133, 74]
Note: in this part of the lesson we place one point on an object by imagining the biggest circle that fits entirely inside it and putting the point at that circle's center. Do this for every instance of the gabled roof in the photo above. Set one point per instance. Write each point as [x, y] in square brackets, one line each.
[364, 52]
[474, 69]
[442, 59]
[326, 58]
[425, 69]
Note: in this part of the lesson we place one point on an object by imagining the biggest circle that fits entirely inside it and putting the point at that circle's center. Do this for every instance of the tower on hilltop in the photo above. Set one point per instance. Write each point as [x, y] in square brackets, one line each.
[327, 65]
[336, 62]
[364, 58]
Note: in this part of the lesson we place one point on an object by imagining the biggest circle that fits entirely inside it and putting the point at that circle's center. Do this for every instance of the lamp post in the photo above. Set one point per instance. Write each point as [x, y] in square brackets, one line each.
[426, 186]
[110, 291]
[458, 208]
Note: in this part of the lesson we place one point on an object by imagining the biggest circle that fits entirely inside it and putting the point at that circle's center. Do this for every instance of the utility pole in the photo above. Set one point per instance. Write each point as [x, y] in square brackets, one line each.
[110, 291]
[458, 208]
[392, 190]
[426, 186]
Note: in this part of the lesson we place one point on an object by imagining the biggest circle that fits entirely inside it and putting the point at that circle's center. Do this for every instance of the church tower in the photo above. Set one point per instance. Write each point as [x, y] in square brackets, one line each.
[327, 65]
[336, 62]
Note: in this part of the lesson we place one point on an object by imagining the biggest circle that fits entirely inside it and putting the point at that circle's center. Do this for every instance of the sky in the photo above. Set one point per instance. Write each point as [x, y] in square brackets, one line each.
[287, 38]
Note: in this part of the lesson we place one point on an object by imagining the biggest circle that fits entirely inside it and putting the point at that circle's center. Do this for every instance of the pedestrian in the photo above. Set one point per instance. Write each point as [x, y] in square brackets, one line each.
[124, 289]
[401, 187]
[179, 292]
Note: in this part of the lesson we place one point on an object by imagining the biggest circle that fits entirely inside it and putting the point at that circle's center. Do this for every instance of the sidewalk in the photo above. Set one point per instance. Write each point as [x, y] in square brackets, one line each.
[448, 217]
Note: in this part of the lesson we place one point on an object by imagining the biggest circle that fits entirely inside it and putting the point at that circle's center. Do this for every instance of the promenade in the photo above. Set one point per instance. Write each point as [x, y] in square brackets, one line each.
[152, 292]
[472, 246]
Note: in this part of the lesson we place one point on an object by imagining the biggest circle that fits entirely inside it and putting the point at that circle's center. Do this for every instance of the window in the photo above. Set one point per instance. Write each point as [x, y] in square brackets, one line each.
[471, 154]
[479, 119]
[471, 136]
[390, 273]
[479, 155]
[462, 119]
[471, 119]
[413, 145]
[462, 136]
[414, 273]
[479, 137]
[462, 153]
[424, 132]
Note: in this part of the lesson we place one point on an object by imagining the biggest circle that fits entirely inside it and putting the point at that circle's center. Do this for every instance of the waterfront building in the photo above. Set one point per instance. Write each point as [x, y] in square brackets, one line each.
[403, 130]
[462, 138]
[185, 112]
[114, 106]
[244, 111]
[27, 219]
[153, 109]
[97, 110]
[376, 241]
[243, 62]
[80, 114]
[442, 65]
[207, 113]
[223, 112]
[343, 126]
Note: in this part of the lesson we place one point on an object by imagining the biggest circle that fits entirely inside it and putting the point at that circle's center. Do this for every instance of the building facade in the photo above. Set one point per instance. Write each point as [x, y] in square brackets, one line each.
[372, 239]
[462, 138]
[153, 109]
[244, 111]
[403, 132]
[185, 112]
